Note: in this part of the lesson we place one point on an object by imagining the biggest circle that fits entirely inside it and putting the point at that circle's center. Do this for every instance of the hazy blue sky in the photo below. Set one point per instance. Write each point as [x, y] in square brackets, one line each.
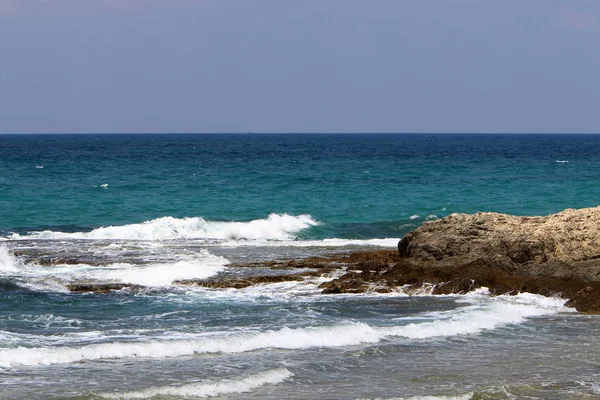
[299, 66]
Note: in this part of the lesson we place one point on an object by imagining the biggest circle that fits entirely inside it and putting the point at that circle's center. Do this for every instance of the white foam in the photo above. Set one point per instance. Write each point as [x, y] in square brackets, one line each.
[156, 274]
[8, 262]
[285, 338]
[483, 313]
[200, 265]
[562, 161]
[275, 227]
[160, 274]
[242, 385]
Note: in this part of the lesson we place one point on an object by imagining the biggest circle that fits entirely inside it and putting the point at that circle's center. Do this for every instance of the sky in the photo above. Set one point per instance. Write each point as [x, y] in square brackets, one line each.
[94, 66]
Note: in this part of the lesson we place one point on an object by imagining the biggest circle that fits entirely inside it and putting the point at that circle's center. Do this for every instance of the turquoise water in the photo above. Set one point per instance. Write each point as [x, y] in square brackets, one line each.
[152, 209]
[338, 179]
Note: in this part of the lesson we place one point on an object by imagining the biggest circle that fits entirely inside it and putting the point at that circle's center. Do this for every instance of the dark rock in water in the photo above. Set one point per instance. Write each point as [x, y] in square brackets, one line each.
[554, 255]
[240, 283]
[100, 287]
[314, 266]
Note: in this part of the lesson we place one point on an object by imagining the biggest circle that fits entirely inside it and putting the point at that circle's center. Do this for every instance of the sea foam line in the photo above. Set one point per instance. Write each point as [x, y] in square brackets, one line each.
[274, 227]
[243, 385]
[483, 314]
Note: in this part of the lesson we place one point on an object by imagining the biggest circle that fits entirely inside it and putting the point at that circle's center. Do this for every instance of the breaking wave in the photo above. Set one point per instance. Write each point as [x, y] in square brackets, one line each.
[274, 227]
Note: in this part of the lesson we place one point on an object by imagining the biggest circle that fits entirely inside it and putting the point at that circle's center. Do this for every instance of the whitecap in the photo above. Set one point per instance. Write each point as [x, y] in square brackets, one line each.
[275, 227]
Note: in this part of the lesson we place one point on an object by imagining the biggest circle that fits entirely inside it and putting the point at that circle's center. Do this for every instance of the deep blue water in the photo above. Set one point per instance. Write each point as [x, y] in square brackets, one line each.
[152, 209]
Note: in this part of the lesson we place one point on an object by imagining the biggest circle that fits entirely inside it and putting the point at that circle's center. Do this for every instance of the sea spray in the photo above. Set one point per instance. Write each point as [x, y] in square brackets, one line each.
[8, 262]
[274, 227]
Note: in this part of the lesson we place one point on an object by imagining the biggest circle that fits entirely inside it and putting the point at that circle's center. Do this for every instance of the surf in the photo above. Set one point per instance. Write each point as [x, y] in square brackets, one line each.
[274, 227]
[482, 313]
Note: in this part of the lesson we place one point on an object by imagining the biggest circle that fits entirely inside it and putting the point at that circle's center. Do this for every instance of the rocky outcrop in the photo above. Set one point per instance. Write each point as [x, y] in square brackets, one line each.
[558, 245]
[554, 255]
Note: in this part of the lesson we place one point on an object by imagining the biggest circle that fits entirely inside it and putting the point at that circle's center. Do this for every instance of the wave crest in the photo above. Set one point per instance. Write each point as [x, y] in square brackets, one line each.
[274, 227]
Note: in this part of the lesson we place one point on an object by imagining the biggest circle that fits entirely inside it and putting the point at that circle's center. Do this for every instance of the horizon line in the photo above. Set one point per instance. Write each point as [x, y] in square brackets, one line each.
[299, 133]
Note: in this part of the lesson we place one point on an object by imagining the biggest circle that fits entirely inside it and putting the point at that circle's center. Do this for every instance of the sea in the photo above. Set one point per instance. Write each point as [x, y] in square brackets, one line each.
[150, 210]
